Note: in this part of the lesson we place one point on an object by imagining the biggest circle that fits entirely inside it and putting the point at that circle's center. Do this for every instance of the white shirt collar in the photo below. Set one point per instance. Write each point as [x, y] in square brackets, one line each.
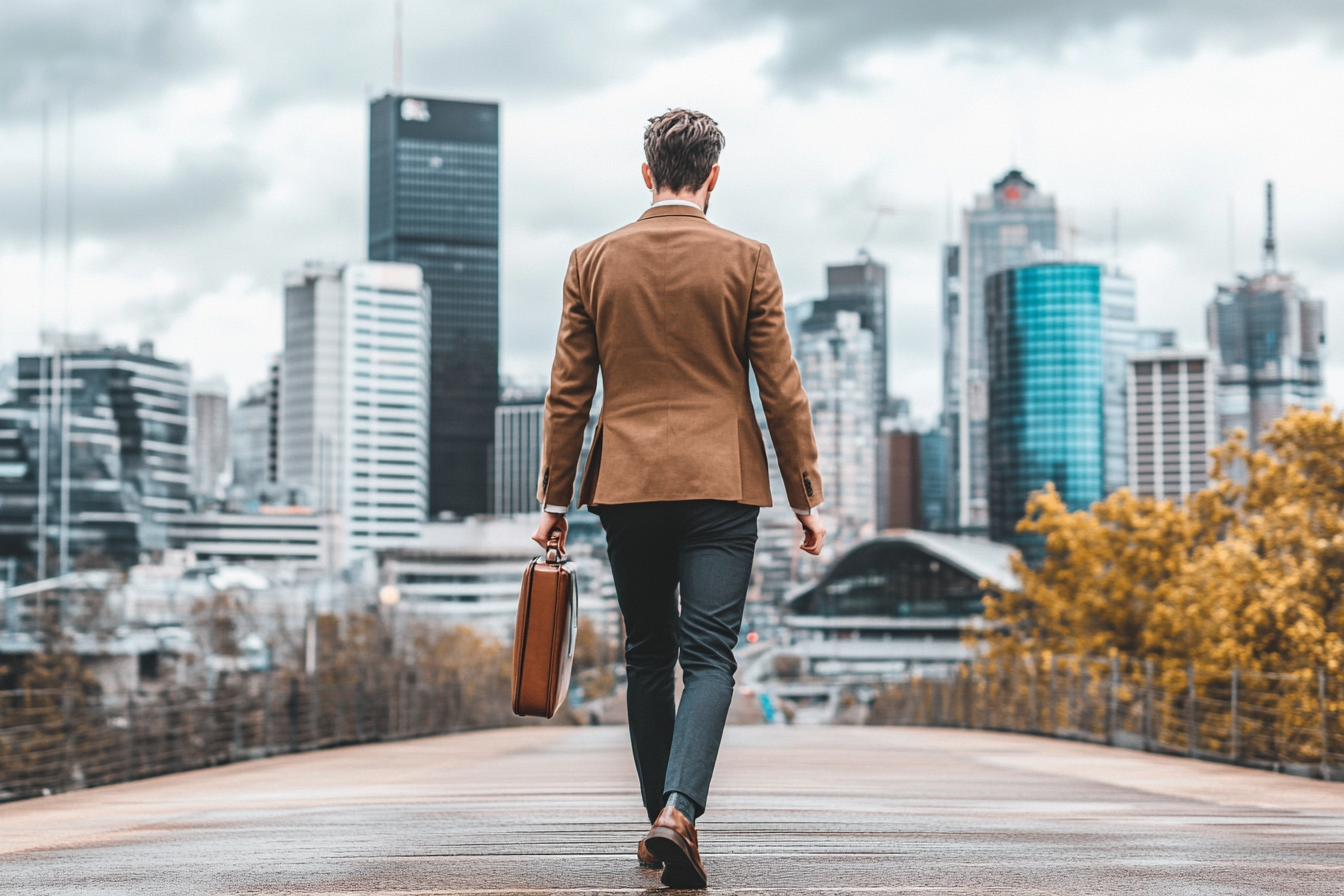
[686, 202]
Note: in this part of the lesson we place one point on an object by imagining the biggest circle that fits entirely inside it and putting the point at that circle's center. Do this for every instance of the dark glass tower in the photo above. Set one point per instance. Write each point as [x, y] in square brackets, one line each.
[434, 201]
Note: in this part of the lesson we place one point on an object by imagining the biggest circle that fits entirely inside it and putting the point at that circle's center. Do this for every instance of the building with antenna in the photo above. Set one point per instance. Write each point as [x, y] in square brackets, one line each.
[1267, 336]
[1014, 224]
[434, 202]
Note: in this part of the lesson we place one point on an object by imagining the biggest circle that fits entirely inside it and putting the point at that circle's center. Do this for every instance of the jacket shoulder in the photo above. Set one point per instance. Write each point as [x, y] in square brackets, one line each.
[636, 229]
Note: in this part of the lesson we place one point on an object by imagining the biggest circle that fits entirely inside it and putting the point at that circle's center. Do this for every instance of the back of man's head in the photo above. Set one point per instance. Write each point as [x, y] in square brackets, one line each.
[681, 147]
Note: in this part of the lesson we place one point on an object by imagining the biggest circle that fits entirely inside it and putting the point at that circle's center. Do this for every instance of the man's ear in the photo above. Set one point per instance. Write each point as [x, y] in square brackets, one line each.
[648, 175]
[713, 178]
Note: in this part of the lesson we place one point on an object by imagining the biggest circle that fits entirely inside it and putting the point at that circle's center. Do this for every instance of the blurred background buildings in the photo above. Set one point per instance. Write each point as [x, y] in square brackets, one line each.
[382, 461]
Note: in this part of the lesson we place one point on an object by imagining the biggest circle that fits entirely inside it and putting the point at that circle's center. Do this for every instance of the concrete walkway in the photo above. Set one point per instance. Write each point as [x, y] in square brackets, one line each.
[795, 810]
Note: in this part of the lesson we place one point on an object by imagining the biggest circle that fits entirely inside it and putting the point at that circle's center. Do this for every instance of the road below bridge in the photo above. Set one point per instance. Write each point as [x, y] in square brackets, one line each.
[795, 810]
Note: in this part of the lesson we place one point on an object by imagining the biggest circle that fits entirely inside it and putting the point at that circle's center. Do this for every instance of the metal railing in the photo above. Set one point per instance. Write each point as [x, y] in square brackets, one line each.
[60, 739]
[1291, 722]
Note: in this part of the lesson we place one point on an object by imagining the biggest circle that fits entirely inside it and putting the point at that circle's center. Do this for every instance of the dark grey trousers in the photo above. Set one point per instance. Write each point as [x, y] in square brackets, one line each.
[706, 547]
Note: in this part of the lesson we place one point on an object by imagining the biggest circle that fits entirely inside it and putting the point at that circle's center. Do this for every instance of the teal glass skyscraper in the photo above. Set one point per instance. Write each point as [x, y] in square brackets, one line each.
[1056, 334]
[434, 202]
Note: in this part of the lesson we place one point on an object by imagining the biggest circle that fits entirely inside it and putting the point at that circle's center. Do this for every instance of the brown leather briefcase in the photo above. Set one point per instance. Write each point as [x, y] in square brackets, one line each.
[543, 639]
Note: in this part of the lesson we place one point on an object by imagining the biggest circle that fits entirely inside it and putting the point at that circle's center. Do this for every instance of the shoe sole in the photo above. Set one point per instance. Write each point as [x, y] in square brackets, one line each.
[679, 870]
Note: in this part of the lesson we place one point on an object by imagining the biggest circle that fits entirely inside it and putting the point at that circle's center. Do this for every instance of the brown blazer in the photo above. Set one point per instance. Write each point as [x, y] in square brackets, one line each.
[673, 309]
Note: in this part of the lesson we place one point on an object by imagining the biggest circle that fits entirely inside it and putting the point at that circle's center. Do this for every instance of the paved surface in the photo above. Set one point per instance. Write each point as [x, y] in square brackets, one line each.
[794, 810]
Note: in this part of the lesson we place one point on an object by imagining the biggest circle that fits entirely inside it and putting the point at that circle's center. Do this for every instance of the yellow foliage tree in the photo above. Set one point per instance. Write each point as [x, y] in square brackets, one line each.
[1246, 573]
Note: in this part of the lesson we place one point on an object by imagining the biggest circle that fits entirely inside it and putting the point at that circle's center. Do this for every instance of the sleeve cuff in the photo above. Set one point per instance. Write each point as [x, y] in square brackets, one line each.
[806, 511]
[555, 508]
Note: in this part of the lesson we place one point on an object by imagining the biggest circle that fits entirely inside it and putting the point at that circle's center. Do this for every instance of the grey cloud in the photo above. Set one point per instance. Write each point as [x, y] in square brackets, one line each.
[824, 41]
[103, 51]
[201, 188]
[155, 314]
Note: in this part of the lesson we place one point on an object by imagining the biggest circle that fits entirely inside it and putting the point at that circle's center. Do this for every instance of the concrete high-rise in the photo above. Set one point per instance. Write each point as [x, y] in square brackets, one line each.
[434, 202]
[354, 403]
[517, 456]
[1170, 422]
[835, 358]
[209, 438]
[1056, 334]
[254, 436]
[1013, 225]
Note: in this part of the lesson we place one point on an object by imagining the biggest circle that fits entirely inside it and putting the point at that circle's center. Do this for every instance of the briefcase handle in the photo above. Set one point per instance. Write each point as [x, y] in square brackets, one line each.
[553, 555]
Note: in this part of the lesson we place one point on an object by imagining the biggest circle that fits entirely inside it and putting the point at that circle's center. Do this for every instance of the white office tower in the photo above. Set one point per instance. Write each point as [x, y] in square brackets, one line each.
[354, 398]
[1013, 225]
[1170, 423]
[517, 457]
[835, 358]
[209, 438]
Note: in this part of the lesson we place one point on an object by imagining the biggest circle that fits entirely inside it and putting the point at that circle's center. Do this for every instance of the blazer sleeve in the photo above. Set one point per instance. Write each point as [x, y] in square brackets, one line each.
[787, 412]
[570, 397]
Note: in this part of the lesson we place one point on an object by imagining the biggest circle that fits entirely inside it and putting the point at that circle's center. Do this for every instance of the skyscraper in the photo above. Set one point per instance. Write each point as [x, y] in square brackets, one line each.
[862, 288]
[933, 487]
[1055, 333]
[253, 438]
[835, 358]
[1170, 422]
[947, 500]
[126, 414]
[209, 438]
[434, 202]
[517, 456]
[1268, 336]
[1013, 225]
[355, 397]
[904, 504]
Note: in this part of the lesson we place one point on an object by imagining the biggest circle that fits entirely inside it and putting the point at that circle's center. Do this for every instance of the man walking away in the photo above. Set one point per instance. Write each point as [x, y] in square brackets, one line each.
[674, 310]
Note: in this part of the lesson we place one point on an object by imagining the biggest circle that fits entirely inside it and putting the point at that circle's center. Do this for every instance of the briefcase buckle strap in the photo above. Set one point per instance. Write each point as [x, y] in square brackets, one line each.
[553, 555]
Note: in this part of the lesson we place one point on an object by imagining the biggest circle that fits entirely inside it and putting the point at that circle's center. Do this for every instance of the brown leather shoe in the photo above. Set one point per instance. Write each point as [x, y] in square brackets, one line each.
[647, 859]
[672, 839]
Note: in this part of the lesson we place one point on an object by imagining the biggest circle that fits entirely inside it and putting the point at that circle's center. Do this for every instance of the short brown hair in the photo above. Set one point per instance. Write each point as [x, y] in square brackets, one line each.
[681, 147]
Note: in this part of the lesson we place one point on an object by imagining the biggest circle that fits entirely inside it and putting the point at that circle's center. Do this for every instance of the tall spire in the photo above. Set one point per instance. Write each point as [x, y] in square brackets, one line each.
[1271, 254]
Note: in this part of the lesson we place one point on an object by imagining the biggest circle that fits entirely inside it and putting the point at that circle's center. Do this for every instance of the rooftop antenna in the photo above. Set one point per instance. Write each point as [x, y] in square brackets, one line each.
[1271, 252]
[43, 409]
[396, 49]
[64, 379]
[1232, 236]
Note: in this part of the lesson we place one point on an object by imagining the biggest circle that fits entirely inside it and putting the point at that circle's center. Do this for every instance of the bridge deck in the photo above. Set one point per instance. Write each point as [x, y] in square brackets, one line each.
[795, 810]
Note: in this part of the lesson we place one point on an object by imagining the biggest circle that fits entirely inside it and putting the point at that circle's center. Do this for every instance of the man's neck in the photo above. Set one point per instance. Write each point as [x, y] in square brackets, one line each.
[697, 198]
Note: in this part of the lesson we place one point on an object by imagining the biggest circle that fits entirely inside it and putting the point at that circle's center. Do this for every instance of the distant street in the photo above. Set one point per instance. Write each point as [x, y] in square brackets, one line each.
[795, 810]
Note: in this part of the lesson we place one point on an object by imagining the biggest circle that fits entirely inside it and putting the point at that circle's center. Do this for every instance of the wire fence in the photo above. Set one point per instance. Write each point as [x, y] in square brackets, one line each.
[71, 735]
[1290, 722]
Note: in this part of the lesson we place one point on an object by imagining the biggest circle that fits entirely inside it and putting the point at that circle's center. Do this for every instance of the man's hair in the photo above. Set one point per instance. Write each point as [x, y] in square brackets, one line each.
[680, 147]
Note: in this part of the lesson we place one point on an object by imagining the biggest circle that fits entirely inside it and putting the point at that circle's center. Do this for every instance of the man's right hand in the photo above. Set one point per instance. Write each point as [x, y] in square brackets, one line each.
[814, 533]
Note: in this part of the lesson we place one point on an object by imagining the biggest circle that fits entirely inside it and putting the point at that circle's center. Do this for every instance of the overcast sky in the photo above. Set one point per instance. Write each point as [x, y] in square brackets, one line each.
[218, 143]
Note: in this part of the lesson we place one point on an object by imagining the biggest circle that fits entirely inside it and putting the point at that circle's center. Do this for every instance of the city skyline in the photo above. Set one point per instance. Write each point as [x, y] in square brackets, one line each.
[189, 238]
